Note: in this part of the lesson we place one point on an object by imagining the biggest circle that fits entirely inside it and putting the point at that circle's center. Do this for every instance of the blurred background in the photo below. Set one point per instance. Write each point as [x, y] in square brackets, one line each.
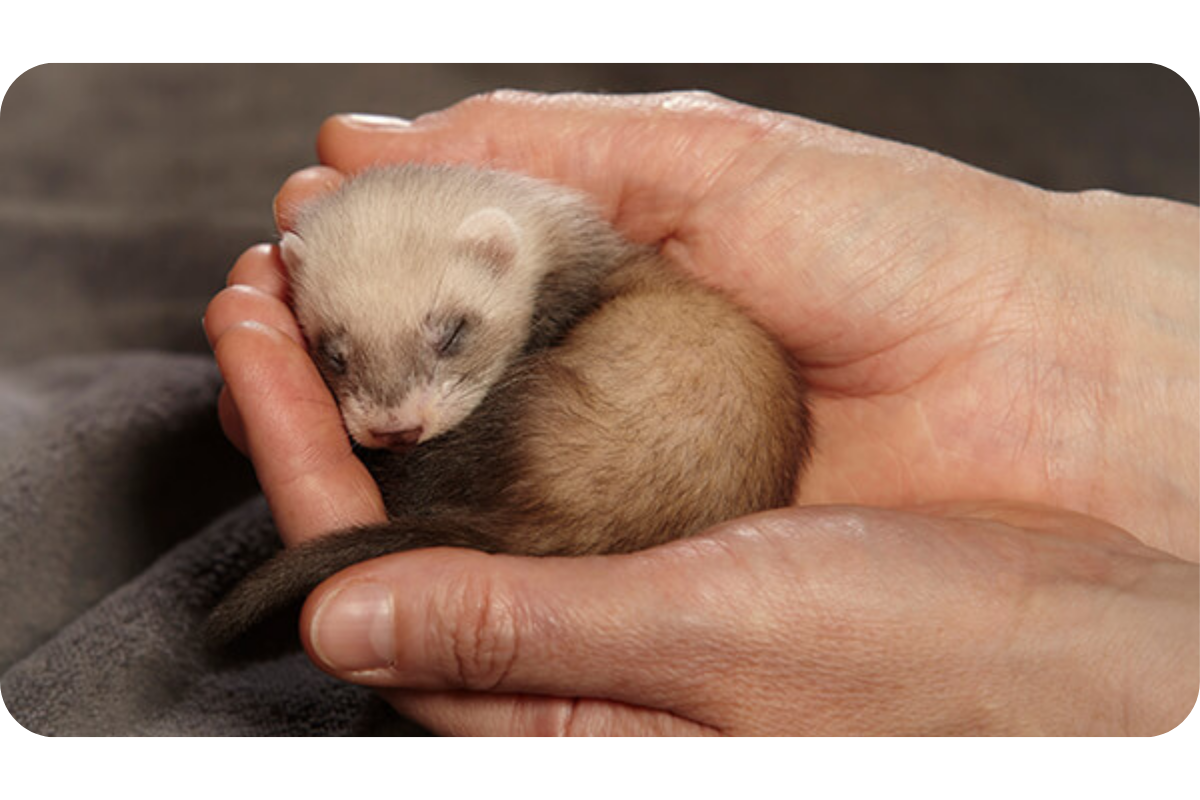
[126, 192]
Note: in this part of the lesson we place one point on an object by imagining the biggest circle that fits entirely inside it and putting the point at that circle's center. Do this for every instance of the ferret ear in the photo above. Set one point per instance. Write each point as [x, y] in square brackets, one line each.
[492, 236]
[291, 250]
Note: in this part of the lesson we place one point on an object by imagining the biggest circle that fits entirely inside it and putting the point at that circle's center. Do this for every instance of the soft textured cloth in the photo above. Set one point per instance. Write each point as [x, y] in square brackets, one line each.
[123, 517]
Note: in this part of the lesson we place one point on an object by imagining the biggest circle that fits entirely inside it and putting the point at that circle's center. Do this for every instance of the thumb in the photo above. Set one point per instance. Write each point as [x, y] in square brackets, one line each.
[622, 628]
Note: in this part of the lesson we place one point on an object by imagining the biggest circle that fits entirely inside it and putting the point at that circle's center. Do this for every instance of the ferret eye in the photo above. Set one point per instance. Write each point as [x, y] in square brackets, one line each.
[333, 356]
[453, 334]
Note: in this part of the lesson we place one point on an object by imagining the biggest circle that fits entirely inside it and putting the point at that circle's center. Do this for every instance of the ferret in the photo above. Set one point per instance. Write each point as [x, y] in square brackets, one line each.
[524, 379]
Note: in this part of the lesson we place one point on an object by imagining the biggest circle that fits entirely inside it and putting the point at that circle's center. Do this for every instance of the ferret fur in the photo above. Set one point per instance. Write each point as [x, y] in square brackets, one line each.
[610, 404]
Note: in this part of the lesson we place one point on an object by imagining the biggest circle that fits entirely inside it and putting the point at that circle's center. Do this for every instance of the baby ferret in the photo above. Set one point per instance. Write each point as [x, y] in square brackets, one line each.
[527, 381]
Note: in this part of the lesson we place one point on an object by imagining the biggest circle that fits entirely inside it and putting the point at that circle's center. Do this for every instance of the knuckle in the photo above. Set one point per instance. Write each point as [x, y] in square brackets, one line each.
[498, 98]
[481, 632]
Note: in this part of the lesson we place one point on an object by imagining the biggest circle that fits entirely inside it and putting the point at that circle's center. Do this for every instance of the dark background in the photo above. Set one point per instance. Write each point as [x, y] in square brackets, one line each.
[104, 169]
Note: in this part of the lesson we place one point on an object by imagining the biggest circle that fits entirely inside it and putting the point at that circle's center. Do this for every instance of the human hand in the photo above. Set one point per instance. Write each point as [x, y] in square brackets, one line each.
[964, 335]
[986, 619]
[879, 296]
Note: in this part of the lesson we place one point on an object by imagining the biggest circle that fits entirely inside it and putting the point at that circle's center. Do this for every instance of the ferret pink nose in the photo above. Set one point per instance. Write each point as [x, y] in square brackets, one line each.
[398, 440]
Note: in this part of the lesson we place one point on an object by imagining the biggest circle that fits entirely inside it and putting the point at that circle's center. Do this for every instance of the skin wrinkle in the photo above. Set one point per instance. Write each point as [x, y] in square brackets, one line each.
[827, 612]
[485, 634]
[869, 286]
[911, 471]
[957, 296]
[1091, 397]
[567, 723]
[743, 279]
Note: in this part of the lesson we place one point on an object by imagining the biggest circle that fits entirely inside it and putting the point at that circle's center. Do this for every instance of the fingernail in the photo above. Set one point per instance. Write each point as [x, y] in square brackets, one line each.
[352, 629]
[374, 121]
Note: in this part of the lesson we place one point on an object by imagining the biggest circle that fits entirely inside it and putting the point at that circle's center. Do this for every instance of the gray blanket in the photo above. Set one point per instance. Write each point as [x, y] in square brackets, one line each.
[123, 517]
[126, 193]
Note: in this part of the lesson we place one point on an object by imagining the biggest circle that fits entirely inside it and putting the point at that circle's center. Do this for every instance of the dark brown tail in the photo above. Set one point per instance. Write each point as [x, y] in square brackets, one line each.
[293, 573]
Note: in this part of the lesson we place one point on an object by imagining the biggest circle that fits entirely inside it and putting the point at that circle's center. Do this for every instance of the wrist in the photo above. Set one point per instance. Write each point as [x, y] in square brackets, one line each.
[1120, 286]
[1159, 678]
[1110, 650]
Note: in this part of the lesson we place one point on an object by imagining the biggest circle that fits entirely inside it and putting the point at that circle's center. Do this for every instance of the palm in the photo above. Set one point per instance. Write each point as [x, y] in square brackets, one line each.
[941, 438]
[911, 407]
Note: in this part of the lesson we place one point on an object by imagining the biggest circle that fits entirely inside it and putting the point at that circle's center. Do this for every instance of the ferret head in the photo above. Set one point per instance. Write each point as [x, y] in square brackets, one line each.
[412, 306]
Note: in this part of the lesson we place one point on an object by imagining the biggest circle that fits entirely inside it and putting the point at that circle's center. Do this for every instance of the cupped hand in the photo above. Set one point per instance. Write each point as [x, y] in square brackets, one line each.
[964, 335]
[989, 619]
[963, 338]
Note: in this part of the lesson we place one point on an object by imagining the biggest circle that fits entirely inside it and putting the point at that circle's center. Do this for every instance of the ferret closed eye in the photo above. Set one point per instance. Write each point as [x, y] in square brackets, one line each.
[524, 379]
[453, 334]
[330, 353]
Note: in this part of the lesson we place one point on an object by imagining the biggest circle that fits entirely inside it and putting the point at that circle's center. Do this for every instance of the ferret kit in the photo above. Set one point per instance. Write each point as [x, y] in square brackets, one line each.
[523, 379]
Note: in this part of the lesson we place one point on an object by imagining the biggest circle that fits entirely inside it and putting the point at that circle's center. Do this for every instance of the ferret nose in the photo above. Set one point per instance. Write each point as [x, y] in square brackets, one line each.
[398, 440]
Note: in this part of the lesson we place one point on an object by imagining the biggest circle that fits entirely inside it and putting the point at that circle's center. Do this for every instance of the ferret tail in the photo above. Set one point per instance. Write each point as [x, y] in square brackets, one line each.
[289, 576]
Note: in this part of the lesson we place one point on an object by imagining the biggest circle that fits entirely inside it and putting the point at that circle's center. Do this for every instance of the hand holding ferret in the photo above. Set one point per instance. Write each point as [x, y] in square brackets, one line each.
[963, 353]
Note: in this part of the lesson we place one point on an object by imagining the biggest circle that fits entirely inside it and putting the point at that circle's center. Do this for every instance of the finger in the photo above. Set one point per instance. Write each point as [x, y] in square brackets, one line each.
[467, 714]
[294, 434]
[260, 267]
[256, 290]
[300, 188]
[231, 420]
[632, 165]
[237, 304]
[446, 619]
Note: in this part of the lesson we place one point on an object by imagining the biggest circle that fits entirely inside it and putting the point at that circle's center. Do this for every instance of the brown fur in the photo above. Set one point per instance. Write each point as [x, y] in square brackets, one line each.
[660, 414]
